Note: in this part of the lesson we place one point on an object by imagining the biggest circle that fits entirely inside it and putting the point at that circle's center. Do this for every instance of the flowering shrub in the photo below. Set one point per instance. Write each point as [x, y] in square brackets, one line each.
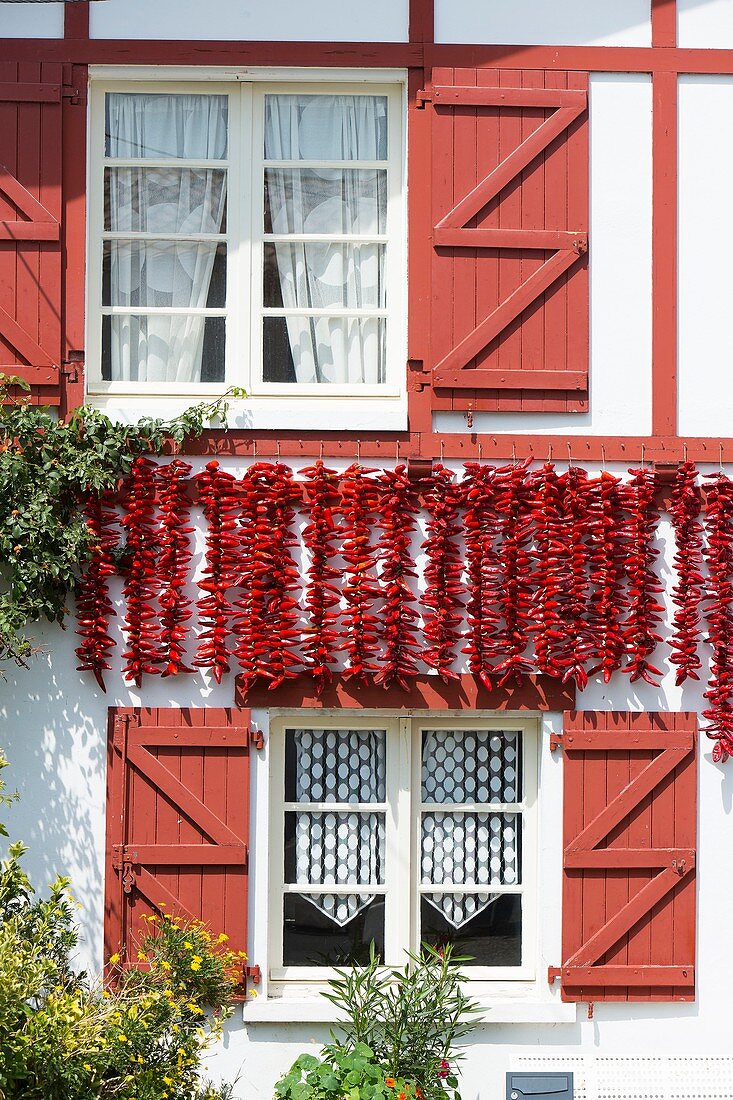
[64, 1037]
[343, 1075]
[398, 1035]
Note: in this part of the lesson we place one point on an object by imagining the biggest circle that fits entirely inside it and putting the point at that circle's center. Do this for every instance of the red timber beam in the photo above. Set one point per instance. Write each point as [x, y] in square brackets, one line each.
[664, 225]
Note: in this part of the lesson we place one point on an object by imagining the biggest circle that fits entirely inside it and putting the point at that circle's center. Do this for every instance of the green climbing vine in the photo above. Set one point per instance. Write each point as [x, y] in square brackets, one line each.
[47, 467]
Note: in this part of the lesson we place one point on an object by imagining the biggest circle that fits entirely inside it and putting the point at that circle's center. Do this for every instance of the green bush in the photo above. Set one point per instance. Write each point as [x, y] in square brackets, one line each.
[64, 1037]
[398, 1034]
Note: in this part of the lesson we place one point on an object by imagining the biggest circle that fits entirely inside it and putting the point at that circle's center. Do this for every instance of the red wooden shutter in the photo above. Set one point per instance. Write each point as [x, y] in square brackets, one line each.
[177, 821]
[630, 827]
[34, 258]
[508, 310]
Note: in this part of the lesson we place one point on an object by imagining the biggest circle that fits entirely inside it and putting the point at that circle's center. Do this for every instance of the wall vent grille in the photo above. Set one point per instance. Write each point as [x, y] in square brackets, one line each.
[636, 1077]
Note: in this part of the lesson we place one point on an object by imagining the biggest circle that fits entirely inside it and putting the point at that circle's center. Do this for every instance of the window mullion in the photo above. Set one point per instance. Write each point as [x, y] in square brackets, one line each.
[396, 933]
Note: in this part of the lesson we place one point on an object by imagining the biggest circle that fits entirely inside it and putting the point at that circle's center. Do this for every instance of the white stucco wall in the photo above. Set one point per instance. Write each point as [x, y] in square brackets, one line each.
[234, 20]
[705, 24]
[620, 273]
[31, 20]
[53, 726]
[705, 238]
[535, 22]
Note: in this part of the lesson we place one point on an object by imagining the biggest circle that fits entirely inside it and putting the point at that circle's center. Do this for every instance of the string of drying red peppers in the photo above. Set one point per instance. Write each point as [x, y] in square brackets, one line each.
[523, 571]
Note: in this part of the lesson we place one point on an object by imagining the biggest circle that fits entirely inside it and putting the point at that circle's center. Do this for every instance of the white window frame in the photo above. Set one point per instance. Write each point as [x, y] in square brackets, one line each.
[245, 166]
[402, 815]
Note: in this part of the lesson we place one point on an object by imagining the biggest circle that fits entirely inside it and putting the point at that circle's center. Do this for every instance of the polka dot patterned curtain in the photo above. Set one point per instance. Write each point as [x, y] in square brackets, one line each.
[469, 847]
[342, 847]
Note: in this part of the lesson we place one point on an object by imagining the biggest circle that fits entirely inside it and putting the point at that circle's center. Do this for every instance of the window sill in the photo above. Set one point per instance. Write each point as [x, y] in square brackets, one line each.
[302, 414]
[317, 1010]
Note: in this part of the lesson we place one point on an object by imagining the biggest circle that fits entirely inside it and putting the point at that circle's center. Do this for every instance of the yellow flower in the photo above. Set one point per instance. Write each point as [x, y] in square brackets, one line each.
[87, 1067]
[165, 964]
[167, 992]
[122, 1038]
[114, 959]
[187, 945]
[222, 938]
[142, 956]
[140, 1059]
[167, 1080]
[153, 918]
[197, 959]
[195, 965]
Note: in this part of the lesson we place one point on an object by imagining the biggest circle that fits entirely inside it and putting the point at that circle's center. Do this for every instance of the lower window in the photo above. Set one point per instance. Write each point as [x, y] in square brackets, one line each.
[401, 831]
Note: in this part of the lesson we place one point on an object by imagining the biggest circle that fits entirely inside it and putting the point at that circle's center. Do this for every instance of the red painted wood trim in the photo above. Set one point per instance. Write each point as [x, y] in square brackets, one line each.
[629, 975]
[602, 858]
[189, 855]
[538, 693]
[611, 59]
[38, 376]
[664, 23]
[541, 239]
[100, 51]
[480, 378]
[29, 93]
[76, 20]
[664, 254]
[469, 96]
[422, 20]
[73, 243]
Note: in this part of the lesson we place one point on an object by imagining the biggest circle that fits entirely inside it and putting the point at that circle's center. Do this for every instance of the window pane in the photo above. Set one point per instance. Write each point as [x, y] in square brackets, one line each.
[325, 200]
[472, 848]
[486, 926]
[311, 938]
[158, 126]
[164, 273]
[324, 275]
[165, 200]
[328, 350]
[335, 765]
[325, 127]
[471, 766]
[169, 348]
[334, 849]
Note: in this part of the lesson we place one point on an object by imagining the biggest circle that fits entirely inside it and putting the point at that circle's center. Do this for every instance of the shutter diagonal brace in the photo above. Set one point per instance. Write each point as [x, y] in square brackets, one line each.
[451, 231]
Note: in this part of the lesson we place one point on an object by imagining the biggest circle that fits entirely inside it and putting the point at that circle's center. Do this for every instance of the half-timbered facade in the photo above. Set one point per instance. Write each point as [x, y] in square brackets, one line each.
[424, 644]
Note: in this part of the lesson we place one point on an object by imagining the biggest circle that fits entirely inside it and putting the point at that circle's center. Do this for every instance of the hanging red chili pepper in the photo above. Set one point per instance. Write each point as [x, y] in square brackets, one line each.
[645, 613]
[515, 587]
[443, 572]
[481, 530]
[173, 565]
[553, 575]
[361, 590]
[268, 623]
[142, 628]
[397, 510]
[220, 498]
[685, 509]
[608, 545]
[578, 645]
[93, 604]
[719, 614]
[322, 593]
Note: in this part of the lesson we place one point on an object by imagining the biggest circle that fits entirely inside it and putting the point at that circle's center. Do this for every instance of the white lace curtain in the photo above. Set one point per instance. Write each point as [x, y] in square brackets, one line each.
[465, 847]
[322, 200]
[339, 848]
[171, 201]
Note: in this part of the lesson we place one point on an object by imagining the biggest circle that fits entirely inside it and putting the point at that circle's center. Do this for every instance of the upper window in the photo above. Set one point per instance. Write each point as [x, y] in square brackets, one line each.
[401, 831]
[247, 236]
